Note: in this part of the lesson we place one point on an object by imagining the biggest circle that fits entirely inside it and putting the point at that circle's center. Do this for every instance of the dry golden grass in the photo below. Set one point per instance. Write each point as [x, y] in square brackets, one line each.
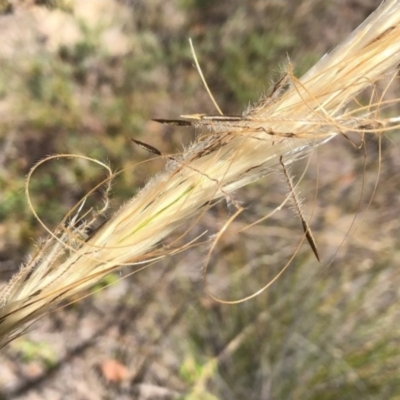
[295, 117]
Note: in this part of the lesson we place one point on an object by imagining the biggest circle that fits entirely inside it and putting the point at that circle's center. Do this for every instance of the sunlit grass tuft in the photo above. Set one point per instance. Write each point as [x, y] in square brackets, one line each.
[296, 117]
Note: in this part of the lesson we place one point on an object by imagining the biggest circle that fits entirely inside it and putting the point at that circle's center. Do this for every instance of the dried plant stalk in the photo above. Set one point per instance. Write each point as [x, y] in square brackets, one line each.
[296, 116]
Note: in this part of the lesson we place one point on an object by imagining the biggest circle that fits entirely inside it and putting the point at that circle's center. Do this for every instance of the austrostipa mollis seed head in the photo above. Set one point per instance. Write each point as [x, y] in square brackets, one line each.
[232, 151]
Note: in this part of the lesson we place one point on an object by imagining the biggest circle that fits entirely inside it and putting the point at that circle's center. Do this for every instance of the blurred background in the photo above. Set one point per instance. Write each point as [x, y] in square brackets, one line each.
[82, 77]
